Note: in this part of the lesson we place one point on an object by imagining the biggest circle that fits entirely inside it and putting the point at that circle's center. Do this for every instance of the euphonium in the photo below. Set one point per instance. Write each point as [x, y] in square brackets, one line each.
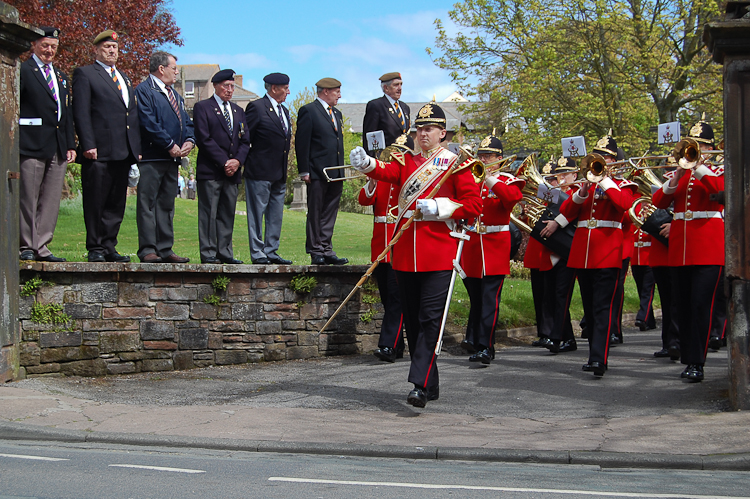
[529, 172]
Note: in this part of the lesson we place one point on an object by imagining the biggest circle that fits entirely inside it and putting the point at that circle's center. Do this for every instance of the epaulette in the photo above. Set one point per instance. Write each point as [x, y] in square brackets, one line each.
[511, 179]
[669, 175]
[399, 157]
[626, 183]
[718, 169]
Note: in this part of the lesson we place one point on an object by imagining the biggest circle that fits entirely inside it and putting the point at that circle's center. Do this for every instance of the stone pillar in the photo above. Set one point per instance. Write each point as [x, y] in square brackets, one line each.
[729, 43]
[15, 38]
[299, 201]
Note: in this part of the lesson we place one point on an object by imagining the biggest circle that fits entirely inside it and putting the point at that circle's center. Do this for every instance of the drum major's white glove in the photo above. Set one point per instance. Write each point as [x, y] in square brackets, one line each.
[428, 207]
[360, 160]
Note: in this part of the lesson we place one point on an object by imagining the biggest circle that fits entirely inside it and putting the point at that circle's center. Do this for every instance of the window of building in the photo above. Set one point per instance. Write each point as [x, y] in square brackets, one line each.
[189, 89]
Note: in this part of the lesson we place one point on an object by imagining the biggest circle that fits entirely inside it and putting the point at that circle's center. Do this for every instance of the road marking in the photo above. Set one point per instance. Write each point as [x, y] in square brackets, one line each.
[499, 489]
[34, 458]
[156, 468]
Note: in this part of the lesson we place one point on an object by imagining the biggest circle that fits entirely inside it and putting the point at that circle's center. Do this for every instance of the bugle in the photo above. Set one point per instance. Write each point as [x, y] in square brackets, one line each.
[345, 177]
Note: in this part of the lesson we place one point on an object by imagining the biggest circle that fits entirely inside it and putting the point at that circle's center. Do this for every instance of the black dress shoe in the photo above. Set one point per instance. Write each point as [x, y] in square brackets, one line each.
[584, 333]
[116, 257]
[27, 255]
[261, 261]
[674, 352]
[568, 346]
[614, 339]
[432, 393]
[468, 346]
[553, 345]
[95, 256]
[50, 258]
[695, 374]
[586, 367]
[279, 261]
[640, 325]
[484, 356]
[714, 343]
[417, 397]
[230, 261]
[684, 373]
[386, 353]
[540, 342]
[334, 260]
[598, 368]
[318, 260]
[210, 260]
[661, 353]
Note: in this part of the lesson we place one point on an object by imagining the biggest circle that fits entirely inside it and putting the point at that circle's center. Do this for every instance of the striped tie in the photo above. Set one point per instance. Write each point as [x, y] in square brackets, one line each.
[330, 113]
[50, 83]
[283, 123]
[226, 116]
[114, 78]
[173, 101]
[400, 116]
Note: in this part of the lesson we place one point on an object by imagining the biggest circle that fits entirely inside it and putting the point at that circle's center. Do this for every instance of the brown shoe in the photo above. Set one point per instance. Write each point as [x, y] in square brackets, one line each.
[175, 259]
[151, 258]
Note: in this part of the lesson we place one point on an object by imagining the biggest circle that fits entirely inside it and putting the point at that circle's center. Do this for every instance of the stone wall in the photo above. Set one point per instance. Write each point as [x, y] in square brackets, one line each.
[129, 318]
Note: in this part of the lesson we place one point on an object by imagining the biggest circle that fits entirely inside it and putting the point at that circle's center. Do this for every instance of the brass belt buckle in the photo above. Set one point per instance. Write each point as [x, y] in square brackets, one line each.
[688, 215]
[481, 229]
[591, 224]
[390, 219]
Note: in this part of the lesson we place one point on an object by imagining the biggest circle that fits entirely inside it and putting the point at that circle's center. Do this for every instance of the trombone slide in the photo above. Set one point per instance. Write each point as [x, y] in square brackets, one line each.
[345, 177]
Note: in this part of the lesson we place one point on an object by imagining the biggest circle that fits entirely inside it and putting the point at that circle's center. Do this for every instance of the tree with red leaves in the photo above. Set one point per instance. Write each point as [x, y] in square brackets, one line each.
[142, 26]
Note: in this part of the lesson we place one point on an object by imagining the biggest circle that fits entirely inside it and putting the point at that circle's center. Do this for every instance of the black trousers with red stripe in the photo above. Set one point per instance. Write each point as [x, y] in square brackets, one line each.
[559, 283]
[391, 330]
[423, 297]
[484, 294]
[542, 303]
[666, 283]
[598, 294]
[645, 282]
[620, 299]
[699, 286]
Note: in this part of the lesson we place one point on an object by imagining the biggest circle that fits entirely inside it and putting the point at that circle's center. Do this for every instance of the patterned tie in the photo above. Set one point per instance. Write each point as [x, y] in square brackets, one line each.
[400, 116]
[173, 101]
[281, 118]
[114, 78]
[330, 113]
[226, 116]
[50, 83]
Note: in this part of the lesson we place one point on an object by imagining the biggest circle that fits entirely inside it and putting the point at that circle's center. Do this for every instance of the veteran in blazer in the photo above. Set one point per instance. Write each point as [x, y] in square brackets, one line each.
[386, 113]
[223, 145]
[270, 132]
[319, 143]
[47, 144]
[106, 119]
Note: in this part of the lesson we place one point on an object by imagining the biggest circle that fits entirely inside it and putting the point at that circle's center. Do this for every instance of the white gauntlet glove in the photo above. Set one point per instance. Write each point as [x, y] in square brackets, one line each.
[428, 207]
[491, 180]
[360, 160]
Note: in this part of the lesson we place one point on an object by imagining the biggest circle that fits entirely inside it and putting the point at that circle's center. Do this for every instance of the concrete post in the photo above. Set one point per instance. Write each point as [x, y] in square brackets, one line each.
[729, 43]
[15, 38]
[299, 201]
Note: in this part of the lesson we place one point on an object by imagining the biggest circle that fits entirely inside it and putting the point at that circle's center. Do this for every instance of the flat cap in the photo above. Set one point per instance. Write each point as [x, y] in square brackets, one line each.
[223, 75]
[276, 79]
[328, 83]
[390, 76]
[50, 32]
[106, 36]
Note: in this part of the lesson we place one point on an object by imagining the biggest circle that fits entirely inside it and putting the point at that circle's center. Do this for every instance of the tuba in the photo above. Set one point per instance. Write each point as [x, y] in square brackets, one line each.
[648, 218]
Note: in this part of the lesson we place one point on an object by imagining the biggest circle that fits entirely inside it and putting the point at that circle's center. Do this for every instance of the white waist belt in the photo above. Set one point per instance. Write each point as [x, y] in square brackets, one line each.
[593, 223]
[409, 213]
[692, 215]
[642, 244]
[388, 219]
[488, 229]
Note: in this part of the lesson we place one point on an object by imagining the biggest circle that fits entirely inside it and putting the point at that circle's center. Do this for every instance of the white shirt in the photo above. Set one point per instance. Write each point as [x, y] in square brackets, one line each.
[229, 109]
[54, 82]
[123, 85]
[325, 107]
[275, 105]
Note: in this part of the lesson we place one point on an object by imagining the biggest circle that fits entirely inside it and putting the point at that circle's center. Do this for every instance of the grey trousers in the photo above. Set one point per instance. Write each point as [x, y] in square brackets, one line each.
[217, 201]
[264, 199]
[41, 187]
[155, 208]
[322, 207]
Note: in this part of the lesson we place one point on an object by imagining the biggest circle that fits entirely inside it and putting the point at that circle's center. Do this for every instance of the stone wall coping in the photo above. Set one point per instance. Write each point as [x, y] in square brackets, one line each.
[93, 267]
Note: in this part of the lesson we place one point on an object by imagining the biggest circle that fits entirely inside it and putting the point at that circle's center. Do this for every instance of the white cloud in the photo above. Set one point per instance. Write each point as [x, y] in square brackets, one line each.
[303, 53]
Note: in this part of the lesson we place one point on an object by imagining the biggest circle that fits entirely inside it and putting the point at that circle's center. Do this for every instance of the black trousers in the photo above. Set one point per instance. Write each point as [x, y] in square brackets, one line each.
[322, 207]
[620, 299]
[423, 296]
[598, 294]
[719, 323]
[559, 284]
[666, 283]
[542, 311]
[699, 287]
[391, 330]
[484, 294]
[645, 283]
[105, 191]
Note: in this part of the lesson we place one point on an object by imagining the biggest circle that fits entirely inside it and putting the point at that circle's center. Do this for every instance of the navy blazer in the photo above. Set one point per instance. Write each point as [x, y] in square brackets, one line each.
[269, 151]
[216, 145]
[51, 136]
[102, 120]
[380, 115]
[317, 143]
[161, 128]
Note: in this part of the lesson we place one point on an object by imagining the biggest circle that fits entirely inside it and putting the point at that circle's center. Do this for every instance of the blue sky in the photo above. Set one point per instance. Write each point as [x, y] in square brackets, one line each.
[355, 42]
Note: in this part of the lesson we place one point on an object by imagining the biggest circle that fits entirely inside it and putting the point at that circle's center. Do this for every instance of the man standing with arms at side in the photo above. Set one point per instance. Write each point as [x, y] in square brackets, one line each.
[222, 148]
[167, 136]
[270, 133]
[47, 144]
[106, 121]
[319, 143]
[386, 113]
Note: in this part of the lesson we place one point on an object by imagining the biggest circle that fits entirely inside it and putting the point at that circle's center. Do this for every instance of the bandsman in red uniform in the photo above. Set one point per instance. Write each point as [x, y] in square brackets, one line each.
[383, 198]
[643, 277]
[666, 282]
[486, 255]
[596, 252]
[423, 256]
[696, 249]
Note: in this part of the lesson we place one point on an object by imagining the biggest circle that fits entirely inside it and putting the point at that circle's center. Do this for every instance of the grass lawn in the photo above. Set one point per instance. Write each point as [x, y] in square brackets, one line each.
[351, 240]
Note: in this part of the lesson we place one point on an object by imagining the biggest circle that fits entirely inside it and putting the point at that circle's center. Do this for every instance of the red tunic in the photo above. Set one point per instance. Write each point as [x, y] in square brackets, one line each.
[642, 243]
[599, 247]
[695, 241]
[382, 200]
[489, 253]
[427, 245]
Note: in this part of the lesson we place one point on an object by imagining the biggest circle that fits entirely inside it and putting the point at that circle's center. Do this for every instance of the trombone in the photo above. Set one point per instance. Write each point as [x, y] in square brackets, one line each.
[686, 155]
[345, 177]
[501, 165]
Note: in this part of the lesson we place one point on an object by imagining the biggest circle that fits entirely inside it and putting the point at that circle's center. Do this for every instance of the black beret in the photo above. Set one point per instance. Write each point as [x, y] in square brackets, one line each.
[276, 79]
[223, 75]
[50, 32]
